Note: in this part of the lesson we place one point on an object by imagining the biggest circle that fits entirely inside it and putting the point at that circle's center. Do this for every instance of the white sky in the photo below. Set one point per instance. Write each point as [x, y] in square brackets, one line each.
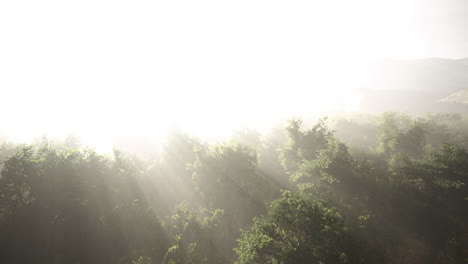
[105, 69]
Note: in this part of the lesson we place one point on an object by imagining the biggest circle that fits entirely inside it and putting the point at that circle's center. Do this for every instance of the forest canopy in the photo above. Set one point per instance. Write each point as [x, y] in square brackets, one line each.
[362, 189]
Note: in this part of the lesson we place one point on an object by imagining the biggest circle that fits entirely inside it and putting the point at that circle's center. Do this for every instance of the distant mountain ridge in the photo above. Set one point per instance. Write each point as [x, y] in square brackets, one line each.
[464, 61]
[460, 97]
[417, 86]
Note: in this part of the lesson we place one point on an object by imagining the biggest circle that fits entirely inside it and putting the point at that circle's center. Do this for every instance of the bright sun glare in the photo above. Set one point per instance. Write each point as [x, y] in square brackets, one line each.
[109, 69]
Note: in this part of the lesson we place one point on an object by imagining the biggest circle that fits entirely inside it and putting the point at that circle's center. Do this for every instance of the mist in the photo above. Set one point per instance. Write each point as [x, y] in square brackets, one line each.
[189, 132]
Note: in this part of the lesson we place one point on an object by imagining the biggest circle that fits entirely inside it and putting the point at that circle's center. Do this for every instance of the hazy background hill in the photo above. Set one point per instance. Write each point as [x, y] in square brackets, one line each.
[416, 86]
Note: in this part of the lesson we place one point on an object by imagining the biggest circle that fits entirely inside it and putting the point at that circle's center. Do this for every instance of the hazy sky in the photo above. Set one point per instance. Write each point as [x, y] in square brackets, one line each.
[110, 68]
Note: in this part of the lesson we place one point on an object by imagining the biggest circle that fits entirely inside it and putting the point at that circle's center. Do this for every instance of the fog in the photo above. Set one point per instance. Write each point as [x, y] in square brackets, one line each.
[189, 132]
[104, 70]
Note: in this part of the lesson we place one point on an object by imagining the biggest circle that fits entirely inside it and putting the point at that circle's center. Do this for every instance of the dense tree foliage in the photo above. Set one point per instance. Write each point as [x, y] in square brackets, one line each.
[387, 189]
[297, 230]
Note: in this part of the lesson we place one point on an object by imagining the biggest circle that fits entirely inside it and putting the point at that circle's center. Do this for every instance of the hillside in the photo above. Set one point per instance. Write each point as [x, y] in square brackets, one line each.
[417, 86]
